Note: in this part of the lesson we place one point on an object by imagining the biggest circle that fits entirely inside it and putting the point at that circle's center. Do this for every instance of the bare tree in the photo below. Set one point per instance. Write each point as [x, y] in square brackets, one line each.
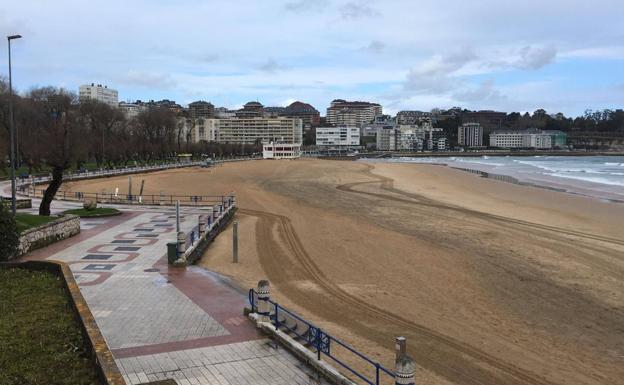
[56, 136]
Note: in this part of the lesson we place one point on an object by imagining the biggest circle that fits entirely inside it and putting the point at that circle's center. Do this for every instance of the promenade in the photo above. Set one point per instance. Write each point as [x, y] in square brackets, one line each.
[161, 322]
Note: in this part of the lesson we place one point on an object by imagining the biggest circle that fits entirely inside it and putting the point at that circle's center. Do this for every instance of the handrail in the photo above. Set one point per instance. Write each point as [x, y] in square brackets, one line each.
[320, 340]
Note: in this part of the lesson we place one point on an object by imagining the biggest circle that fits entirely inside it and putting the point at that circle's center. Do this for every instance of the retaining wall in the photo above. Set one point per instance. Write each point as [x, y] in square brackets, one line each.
[107, 368]
[64, 227]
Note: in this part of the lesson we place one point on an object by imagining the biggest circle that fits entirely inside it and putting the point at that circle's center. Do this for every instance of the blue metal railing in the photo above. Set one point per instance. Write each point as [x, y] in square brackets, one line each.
[318, 339]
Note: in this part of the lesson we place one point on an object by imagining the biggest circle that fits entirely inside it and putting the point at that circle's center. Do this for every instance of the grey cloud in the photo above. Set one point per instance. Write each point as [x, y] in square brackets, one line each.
[357, 10]
[535, 58]
[486, 91]
[271, 66]
[148, 79]
[375, 46]
[435, 75]
[306, 5]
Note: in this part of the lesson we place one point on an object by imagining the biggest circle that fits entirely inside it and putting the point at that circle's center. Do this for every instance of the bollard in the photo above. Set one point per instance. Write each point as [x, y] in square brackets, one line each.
[202, 225]
[162, 198]
[400, 347]
[264, 306]
[233, 199]
[181, 243]
[404, 371]
[215, 213]
[235, 241]
[209, 221]
[177, 209]
[220, 209]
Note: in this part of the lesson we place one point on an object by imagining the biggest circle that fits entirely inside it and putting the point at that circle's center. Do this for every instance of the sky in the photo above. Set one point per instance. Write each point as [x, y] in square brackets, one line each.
[563, 56]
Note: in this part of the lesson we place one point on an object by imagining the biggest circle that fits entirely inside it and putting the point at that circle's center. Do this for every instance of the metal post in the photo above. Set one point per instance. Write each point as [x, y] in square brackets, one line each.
[235, 241]
[400, 347]
[177, 216]
[130, 187]
[12, 129]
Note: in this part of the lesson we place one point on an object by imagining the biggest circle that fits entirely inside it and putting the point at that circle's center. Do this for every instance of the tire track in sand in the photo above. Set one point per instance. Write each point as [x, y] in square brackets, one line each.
[446, 356]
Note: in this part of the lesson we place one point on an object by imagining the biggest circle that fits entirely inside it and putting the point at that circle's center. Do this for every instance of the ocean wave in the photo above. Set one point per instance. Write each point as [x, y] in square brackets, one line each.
[598, 180]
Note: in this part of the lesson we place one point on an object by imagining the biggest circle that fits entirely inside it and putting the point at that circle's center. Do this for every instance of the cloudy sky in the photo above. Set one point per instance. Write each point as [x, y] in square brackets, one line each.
[405, 54]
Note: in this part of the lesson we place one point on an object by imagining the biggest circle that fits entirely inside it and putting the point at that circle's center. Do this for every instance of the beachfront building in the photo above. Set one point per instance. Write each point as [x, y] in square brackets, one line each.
[470, 135]
[259, 130]
[435, 139]
[344, 113]
[386, 138]
[98, 93]
[338, 136]
[530, 138]
[241, 130]
[410, 137]
[281, 150]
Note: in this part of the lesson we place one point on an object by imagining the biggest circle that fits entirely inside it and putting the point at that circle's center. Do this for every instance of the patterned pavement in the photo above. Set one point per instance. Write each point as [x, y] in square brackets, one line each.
[162, 322]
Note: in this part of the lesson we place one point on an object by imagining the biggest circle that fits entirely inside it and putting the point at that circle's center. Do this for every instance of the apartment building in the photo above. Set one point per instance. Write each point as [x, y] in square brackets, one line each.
[344, 113]
[259, 130]
[338, 136]
[530, 138]
[470, 135]
[99, 93]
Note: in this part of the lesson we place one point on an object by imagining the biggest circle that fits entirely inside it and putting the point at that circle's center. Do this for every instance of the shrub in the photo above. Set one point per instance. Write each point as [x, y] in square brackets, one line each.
[9, 236]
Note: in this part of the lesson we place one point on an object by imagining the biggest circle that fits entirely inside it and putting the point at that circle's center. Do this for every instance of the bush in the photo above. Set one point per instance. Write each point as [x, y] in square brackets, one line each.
[9, 236]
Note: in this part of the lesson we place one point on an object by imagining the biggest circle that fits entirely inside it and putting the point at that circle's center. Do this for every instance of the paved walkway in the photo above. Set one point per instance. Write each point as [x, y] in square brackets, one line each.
[162, 322]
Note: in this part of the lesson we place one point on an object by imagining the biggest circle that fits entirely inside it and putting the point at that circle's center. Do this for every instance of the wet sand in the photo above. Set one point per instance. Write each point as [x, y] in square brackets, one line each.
[492, 283]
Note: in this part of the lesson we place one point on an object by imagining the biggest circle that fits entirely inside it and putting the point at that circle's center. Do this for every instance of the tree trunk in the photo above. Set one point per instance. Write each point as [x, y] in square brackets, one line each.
[50, 192]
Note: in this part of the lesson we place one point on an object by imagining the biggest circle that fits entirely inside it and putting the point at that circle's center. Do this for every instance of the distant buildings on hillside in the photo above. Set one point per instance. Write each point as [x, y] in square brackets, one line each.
[346, 124]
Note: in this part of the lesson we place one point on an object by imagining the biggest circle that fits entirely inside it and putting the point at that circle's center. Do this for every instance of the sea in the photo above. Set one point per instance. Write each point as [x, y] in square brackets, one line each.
[600, 177]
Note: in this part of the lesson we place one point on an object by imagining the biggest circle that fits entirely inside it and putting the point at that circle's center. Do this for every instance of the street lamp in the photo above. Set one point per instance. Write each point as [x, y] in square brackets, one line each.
[12, 123]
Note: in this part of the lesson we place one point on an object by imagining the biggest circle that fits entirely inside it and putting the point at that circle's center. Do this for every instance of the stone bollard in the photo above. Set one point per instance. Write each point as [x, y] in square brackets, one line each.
[208, 222]
[404, 370]
[225, 204]
[181, 243]
[264, 306]
[215, 213]
[233, 199]
[202, 225]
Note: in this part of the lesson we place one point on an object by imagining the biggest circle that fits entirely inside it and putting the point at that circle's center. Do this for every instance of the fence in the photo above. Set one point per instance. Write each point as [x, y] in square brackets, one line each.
[319, 341]
[151, 199]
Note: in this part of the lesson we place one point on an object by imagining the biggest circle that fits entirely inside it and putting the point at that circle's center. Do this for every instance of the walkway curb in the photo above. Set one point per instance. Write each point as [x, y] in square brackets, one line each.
[306, 356]
[104, 361]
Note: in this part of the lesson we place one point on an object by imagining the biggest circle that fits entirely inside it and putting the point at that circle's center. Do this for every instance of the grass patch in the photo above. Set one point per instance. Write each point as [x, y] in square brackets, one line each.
[98, 212]
[41, 339]
[26, 221]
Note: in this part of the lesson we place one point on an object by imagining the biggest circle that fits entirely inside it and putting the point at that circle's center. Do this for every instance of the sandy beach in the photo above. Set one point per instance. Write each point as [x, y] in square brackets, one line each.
[491, 282]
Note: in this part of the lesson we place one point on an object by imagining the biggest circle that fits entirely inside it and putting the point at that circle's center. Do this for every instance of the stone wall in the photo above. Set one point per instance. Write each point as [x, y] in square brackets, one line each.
[20, 203]
[64, 227]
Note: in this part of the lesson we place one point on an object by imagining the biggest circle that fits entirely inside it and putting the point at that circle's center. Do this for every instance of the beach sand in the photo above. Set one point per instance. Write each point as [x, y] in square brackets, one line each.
[491, 282]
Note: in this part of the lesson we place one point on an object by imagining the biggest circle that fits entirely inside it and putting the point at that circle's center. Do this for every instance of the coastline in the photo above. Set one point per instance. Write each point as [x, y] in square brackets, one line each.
[495, 279]
[574, 186]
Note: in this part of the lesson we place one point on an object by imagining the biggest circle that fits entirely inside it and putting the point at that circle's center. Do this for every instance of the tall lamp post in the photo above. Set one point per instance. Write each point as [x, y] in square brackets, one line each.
[12, 123]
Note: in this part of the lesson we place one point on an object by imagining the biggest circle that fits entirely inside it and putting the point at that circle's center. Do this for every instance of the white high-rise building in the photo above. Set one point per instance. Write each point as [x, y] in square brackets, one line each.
[470, 135]
[100, 93]
[338, 136]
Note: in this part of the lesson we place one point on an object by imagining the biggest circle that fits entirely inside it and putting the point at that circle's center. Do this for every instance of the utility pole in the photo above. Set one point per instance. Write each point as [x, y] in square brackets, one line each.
[12, 124]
